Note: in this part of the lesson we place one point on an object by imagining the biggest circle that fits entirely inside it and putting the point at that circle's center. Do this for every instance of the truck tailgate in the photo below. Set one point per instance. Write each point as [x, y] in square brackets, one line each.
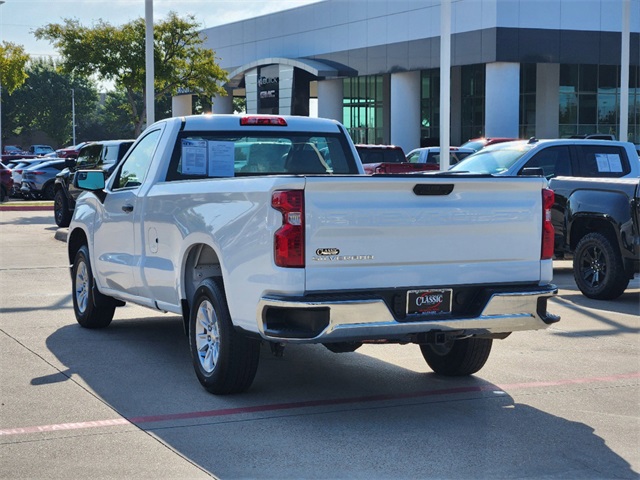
[379, 232]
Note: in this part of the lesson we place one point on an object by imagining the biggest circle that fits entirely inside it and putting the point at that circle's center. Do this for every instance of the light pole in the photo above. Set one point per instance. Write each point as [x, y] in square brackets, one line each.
[150, 97]
[73, 114]
[1, 2]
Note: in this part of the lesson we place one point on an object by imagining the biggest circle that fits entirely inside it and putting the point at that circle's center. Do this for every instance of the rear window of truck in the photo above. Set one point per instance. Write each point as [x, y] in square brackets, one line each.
[198, 155]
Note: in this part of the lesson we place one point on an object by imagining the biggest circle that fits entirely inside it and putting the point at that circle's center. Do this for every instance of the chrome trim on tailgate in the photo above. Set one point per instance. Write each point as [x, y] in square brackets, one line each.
[351, 320]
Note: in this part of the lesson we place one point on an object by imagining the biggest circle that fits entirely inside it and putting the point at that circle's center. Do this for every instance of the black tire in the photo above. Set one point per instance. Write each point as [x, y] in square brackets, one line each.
[457, 357]
[598, 268]
[3, 194]
[48, 192]
[89, 312]
[225, 360]
[61, 212]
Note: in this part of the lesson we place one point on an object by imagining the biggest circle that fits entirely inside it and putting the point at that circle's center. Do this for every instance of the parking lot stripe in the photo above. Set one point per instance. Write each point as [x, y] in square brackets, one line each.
[310, 403]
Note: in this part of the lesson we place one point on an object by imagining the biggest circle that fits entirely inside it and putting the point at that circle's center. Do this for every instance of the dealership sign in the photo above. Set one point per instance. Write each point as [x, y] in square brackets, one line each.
[268, 87]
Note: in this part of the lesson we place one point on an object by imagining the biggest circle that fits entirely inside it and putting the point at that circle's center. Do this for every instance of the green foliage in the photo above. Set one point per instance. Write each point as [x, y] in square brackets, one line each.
[44, 103]
[117, 54]
[239, 105]
[13, 59]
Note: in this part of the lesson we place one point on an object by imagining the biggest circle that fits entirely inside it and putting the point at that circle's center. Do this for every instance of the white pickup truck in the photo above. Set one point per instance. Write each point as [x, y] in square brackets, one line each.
[264, 229]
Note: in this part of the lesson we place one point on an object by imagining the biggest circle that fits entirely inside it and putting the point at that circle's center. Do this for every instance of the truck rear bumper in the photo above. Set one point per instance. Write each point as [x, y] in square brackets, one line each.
[325, 320]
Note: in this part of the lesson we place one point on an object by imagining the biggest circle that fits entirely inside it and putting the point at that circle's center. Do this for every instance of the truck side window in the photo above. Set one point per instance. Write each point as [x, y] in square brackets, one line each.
[414, 157]
[554, 161]
[602, 161]
[134, 169]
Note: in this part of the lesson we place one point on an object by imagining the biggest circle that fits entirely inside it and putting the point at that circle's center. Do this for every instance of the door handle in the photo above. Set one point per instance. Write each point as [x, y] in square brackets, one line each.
[127, 208]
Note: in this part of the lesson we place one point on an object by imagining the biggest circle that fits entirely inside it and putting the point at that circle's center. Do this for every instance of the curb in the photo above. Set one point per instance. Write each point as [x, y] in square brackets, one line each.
[25, 208]
[61, 234]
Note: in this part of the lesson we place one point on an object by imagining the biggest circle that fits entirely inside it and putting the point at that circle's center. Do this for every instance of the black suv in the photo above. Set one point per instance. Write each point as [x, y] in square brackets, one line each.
[103, 155]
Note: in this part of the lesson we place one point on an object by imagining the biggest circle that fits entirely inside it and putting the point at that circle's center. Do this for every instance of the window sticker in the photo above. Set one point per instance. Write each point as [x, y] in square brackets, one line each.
[614, 162]
[609, 162]
[194, 157]
[221, 159]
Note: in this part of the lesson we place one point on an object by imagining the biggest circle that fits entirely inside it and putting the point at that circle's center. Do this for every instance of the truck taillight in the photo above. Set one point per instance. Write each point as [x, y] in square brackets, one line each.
[548, 233]
[289, 239]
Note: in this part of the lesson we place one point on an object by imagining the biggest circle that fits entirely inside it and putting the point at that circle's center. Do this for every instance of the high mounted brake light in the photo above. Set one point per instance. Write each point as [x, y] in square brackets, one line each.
[289, 239]
[257, 120]
[548, 232]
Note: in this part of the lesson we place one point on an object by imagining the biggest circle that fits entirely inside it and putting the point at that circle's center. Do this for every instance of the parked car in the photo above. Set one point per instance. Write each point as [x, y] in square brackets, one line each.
[41, 149]
[552, 158]
[481, 142]
[6, 182]
[11, 157]
[102, 155]
[70, 152]
[18, 169]
[11, 149]
[38, 180]
[381, 159]
[431, 155]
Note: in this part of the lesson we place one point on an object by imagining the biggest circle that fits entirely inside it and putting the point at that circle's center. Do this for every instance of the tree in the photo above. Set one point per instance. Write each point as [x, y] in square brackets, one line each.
[43, 103]
[117, 54]
[13, 59]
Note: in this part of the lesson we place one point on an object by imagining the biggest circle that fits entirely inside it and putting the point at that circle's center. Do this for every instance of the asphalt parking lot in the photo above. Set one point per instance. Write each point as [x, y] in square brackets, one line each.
[124, 402]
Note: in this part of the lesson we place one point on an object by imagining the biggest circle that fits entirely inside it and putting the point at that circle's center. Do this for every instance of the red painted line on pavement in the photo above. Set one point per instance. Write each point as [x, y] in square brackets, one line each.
[26, 208]
[309, 403]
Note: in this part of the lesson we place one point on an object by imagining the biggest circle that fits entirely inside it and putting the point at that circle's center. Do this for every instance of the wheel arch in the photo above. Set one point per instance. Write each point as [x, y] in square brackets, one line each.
[200, 261]
[77, 238]
[595, 210]
[583, 225]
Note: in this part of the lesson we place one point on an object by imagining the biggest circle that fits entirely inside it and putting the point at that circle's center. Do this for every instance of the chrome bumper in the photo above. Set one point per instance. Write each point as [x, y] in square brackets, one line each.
[356, 320]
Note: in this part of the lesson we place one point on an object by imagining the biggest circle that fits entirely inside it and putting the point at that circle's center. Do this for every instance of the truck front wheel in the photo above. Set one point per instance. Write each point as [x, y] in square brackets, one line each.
[61, 212]
[225, 360]
[457, 357]
[598, 268]
[88, 314]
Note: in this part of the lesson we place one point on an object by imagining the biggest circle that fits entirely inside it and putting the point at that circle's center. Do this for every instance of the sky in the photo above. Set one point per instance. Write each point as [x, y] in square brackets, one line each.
[19, 18]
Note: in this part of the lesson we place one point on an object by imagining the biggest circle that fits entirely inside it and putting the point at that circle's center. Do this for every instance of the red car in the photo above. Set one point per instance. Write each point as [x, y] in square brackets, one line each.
[6, 182]
[388, 159]
[70, 152]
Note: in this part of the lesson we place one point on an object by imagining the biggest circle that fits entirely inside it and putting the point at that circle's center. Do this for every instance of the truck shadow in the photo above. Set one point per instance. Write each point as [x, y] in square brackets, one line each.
[628, 303]
[32, 220]
[315, 414]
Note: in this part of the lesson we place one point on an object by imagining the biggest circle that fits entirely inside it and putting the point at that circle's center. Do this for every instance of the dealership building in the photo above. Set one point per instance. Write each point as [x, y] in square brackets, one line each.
[519, 68]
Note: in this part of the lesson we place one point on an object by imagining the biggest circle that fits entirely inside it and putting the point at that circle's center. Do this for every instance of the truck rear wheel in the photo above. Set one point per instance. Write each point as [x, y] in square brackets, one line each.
[88, 314]
[225, 360]
[457, 357]
[598, 269]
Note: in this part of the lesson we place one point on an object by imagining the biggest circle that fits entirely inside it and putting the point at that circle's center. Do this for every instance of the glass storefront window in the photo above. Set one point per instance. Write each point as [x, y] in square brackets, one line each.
[430, 108]
[527, 100]
[590, 100]
[568, 107]
[473, 99]
[363, 108]
[587, 108]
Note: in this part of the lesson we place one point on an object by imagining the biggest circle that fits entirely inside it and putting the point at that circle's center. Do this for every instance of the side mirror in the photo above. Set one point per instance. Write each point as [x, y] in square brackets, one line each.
[91, 180]
[70, 162]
